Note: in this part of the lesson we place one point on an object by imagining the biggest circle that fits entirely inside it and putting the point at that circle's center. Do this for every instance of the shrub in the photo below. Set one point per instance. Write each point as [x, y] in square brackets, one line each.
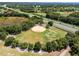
[9, 41]
[15, 29]
[14, 43]
[3, 35]
[48, 47]
[77, 32]
[26, 26]
[50, 23]
[54, 45]
[37, 47]
[30, 47]
[23, 45]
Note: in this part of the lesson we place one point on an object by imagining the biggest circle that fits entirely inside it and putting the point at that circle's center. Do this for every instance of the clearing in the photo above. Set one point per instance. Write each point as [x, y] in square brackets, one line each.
[11, 20]
[48, 35]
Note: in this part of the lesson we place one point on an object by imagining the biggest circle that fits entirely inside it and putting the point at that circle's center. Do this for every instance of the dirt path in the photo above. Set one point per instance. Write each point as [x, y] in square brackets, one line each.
[65, 51]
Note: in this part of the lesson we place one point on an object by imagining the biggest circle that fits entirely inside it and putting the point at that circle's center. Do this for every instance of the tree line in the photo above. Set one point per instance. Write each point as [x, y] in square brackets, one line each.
[9, 13]
[56, 45]
[71, 19]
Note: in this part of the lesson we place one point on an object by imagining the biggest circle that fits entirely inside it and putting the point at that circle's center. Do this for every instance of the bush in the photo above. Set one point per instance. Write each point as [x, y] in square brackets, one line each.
[50, 23]
[77, 32]
[53, 15]
[73, 43]
[47, 26]
[26, 26]
[2, 29]
[54, 45]
[3, 35]
[37, 47]
[15, 29]
[9, 41]
[30, 47]
[14, 43]
[48, 47]
[23, 45]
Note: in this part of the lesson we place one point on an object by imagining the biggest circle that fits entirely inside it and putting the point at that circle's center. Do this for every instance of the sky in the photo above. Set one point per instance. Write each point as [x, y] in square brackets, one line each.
[39, 0]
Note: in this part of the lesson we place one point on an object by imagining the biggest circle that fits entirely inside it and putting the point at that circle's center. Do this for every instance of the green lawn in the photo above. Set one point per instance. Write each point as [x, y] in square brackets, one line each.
[48, 35]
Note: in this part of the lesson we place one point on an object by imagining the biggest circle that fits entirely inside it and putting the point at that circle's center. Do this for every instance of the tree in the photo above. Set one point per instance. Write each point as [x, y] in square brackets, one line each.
[48, 47]
[62, 43]
[30, 47]
[37, 47]
[3, 35]
[14, 43]
[9, 41]
[23, 45]
[73, 43]
[53, 15]
[26, 26]
[54, 45]
[15, 29]
[50, 23]
[2, 29]
[77, 32]
[47, 26]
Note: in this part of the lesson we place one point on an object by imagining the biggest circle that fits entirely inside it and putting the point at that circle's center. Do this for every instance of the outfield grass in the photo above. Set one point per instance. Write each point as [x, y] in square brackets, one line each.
[48, 35]
[30, 37]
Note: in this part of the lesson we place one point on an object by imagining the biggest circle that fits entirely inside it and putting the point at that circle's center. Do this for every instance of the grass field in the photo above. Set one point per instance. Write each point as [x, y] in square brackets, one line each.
[48, 35]
[42, 14]
[65, 13]
[11, 20]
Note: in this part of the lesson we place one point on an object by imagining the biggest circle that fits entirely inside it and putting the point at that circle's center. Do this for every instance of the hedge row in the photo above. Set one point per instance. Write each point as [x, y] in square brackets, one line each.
[48, 46]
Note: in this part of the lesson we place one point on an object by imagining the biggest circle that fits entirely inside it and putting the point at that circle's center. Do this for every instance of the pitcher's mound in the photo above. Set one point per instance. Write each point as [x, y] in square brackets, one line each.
[38, 28]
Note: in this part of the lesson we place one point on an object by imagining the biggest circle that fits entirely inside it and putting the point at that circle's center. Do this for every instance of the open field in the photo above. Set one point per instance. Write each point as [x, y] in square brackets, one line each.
[65, 13]
[11, 20]
[32, 37]
[42, 14]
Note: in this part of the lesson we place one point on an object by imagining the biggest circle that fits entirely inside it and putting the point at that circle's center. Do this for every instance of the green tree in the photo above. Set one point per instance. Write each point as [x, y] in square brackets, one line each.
[37, 47]
[15, 43]
[77, 32]
[3, 35]
[50, 23]
[15, 29]
[54, 45]
[48, 47]
[30, 47]
[23, 45]
[9, 41]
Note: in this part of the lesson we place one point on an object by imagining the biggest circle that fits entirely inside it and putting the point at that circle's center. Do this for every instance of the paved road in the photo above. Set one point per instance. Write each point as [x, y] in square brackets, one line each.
[61, 25]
